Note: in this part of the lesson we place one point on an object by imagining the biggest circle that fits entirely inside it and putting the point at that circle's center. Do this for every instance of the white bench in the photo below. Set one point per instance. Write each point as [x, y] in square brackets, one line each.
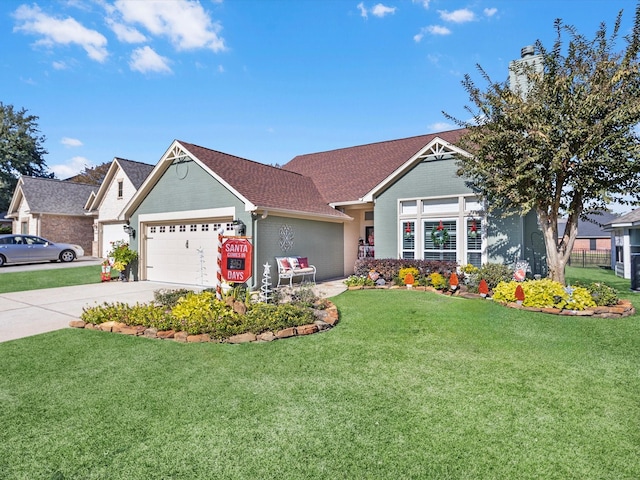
[292, 267]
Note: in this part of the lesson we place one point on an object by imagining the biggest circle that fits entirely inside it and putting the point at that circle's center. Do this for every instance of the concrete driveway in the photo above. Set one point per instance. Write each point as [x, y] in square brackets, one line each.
[23, 314]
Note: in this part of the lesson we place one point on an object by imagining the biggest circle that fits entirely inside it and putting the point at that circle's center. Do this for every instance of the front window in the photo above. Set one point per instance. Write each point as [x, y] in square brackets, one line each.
[409, 240]
[440, 240]
[120, 188]
[474, 242]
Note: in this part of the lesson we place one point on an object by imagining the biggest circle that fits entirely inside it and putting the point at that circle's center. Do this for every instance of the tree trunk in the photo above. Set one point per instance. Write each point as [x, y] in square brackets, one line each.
[558, 252]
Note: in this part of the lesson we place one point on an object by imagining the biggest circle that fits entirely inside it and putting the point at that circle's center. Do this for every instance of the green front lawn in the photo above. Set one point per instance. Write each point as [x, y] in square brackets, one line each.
[408, 385]
[55, 277]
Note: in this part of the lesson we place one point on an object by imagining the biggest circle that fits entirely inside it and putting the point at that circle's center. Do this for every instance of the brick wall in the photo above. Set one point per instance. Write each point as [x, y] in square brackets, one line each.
[67, 229]
[585, 244]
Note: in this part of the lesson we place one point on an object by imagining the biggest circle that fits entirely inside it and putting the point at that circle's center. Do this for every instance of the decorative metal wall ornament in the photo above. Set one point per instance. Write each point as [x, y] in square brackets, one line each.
[286, 238]
[439, 235]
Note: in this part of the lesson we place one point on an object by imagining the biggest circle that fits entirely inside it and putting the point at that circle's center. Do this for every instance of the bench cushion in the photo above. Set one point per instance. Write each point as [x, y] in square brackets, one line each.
[293, 261]
[304, 262]
[283, 264]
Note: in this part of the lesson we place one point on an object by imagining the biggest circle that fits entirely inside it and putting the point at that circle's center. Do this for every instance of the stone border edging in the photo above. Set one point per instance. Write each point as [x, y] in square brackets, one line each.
[624, 308]
[325, 320]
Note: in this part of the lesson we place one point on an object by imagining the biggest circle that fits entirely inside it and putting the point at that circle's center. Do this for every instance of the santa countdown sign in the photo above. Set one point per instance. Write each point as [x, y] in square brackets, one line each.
[236, 260]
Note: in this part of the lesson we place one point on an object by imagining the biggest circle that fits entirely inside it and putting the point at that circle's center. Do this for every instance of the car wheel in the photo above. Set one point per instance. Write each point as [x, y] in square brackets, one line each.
[2, 261]
[67, 256]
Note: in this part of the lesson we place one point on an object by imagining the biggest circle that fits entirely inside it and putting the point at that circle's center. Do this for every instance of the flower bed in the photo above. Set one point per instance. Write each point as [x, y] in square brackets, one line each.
[623, 308]
[325, 319]
[185, 315]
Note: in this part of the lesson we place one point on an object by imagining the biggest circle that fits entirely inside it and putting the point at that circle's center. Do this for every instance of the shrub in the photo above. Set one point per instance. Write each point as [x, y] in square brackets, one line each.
[602, 294]
[437, 281]
[405, 272]
[169, 298]
[203, 313]
[494, 273]
[359, 281]
[389, 268]
[544, 293]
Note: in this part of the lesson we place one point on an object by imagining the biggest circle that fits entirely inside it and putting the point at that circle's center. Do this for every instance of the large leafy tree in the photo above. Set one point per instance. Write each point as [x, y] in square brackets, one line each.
[569, 144]
[92, 175]
[21, 150]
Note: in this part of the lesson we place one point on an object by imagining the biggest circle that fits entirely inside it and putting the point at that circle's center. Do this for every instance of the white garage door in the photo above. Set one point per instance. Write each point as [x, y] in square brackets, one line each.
[183, 252]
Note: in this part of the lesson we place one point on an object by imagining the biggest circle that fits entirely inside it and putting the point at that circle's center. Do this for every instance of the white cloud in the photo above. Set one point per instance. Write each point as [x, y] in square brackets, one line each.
[490, 12]
[425, 3]
[145, 60]
[432, 30]
[462, 15]
[59, 65]
[126, 33]
[184, 22]
[363, 10]
[67, 31]
[440, 127]
[381, 10]
[438, 30]
[71, 142]
[71, 168]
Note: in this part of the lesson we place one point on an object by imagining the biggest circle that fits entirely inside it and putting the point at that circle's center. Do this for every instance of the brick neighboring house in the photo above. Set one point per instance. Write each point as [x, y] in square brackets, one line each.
[120, 183]
[591, 235]
[52, 209]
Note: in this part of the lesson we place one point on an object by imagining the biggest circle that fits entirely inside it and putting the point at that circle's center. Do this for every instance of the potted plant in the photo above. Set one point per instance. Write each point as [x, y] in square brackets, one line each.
[121, 257]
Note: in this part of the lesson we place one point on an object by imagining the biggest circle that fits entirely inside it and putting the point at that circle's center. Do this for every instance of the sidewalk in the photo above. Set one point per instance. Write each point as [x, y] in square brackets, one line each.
[23, 314]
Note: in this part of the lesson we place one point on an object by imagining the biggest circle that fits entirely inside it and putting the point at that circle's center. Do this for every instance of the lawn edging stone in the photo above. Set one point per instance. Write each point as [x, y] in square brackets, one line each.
[325, 320]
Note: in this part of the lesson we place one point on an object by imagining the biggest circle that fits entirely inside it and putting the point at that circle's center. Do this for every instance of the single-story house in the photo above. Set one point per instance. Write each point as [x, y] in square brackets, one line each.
[52, 209]
[393, 195]
[121, 181]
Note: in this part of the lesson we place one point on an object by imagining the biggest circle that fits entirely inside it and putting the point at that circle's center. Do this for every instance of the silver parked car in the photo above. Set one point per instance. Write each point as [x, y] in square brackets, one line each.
[18, 248]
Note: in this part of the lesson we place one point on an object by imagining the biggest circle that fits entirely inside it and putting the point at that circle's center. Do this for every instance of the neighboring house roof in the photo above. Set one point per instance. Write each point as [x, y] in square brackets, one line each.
[631, 219]
[349, 174]
[592, 228]
[3, 219]
[50, 196]
[136, 172]
[258, 186]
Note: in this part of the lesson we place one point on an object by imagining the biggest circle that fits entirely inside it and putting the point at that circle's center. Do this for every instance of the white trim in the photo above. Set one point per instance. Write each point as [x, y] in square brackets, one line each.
[187, 215]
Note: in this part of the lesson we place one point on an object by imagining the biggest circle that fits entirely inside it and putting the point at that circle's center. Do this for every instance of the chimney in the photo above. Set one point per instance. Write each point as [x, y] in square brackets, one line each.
[527, 51]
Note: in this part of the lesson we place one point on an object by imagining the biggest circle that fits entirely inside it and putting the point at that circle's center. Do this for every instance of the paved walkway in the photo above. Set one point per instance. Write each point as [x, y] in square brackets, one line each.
[23, 314]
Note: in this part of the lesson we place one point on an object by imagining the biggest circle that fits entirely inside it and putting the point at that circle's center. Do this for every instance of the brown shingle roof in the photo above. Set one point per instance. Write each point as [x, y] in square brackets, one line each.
[347, 174]
[263, 185]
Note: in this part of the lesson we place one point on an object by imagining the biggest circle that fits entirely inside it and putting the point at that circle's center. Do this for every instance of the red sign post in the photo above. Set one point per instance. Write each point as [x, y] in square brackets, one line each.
[236, 259]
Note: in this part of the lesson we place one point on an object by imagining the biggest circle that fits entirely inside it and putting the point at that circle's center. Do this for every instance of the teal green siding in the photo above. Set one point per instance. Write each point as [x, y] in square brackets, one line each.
[504, 239]
[320, 242]
[427, 179]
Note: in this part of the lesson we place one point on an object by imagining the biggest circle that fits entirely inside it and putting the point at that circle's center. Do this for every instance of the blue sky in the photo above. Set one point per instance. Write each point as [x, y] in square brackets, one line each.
[261, 79]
